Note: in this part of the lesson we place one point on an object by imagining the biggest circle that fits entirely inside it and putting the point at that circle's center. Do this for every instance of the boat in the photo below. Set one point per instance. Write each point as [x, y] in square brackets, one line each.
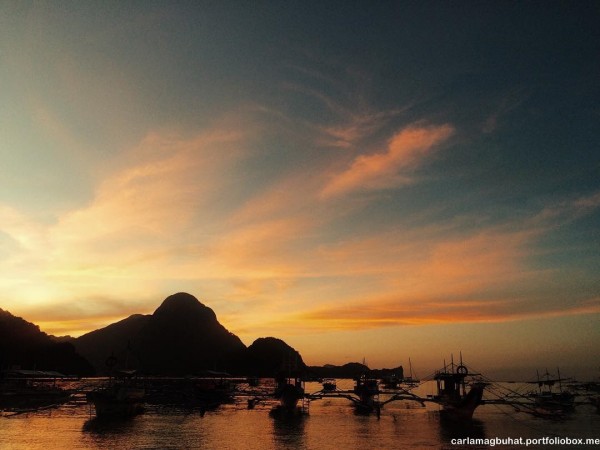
[452, 396]
[289, 390]
[411, 379]
[329, 384]
[390, 381]
[549, 401]
[209, 390]
[122, 397]
[367, 390]
[31, 389]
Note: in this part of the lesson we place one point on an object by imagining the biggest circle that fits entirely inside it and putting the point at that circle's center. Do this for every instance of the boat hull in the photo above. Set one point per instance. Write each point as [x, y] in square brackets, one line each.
[463, 410]
[118, 403]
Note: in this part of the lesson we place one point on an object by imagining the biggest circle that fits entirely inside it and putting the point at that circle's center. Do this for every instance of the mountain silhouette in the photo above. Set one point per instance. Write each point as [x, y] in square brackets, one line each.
[184, 336]
[113, 340]
[181, 337]
[23, 345]
[268, 356]
[349, 370]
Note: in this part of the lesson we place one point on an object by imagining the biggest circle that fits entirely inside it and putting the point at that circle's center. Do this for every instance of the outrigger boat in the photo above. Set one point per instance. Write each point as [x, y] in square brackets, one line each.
[367, 390]
[213, 390]
[390, 382]
[329, 384]
[31, 389]
[410, 380]
[549, 402]
[122, 397]
[291, 395]
[452, 395]
[456, 403]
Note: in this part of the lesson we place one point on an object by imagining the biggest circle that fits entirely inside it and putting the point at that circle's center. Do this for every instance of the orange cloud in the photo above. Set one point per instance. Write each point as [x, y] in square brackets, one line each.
[391, 168]
[134, 231]
[392, 312]
[427, 277]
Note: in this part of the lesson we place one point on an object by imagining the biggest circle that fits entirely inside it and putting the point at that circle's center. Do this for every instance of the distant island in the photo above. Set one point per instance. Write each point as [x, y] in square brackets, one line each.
[182, 337]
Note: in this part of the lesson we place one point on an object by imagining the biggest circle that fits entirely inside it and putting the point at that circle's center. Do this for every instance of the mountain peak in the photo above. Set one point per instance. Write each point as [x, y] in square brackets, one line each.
[183, 304]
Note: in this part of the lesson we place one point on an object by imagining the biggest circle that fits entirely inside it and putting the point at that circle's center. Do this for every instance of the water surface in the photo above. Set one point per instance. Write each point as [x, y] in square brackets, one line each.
[330, 425]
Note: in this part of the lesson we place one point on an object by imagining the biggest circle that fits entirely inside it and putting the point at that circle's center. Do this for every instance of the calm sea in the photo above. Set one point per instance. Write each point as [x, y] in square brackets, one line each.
[330, 424]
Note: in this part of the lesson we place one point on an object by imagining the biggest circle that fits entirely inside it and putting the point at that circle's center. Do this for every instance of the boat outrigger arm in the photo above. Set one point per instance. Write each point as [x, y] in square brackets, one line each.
[350, 395]
[405, 395]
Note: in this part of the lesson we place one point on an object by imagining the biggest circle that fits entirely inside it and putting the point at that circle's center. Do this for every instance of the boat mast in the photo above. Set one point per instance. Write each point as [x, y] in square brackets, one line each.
[559, 380]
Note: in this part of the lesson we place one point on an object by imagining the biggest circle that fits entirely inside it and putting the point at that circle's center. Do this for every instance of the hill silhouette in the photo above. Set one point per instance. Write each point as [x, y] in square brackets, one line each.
[114, 339]
[181, 337]
[349, 370]
[23, 345]
[268, 356]
[184, 336]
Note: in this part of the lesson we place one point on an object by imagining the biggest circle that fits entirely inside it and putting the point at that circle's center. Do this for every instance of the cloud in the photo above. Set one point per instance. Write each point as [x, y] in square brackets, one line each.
[21, 230]
[393, 167]
[505, 106]
[160, 193]
[133, 230]
[565, 211]
[353, 129]
[426, 276]
[178, 213]
[399, 312]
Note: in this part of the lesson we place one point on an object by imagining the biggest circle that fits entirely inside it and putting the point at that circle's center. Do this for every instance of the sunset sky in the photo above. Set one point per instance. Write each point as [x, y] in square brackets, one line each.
[361, 179]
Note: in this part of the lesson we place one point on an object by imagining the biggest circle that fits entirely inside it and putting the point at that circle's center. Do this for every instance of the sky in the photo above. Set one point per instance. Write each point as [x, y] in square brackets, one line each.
[377, 180]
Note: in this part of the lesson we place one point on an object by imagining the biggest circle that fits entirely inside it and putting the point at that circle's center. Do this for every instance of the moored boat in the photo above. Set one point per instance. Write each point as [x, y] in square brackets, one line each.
[411, 380]
[122, 397]
[209, 393]
[390, 381]
[549, 401]
[367, 390]
[329, 384]
[452, 395]
[290, 393]
[31, 389]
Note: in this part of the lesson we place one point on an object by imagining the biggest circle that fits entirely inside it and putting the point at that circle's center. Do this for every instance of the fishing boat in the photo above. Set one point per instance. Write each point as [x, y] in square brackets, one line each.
[452, 395]
[329, 384]
[211, 390]
[289, 390]
[411, 379]
[551, 399]
[31, 389]
[367, 391]
[122, 397]
[390, 381]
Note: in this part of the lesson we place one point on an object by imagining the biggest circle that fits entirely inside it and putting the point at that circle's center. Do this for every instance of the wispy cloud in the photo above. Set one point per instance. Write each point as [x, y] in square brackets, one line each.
[395, 312]
[393, 167]
[280, 254]
[161, 193]
[507, 104]
[435, 274]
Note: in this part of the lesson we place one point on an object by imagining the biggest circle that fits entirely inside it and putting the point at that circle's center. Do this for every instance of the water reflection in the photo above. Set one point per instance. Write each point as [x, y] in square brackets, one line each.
[108, 427]
[452, 429]
[289, 431]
